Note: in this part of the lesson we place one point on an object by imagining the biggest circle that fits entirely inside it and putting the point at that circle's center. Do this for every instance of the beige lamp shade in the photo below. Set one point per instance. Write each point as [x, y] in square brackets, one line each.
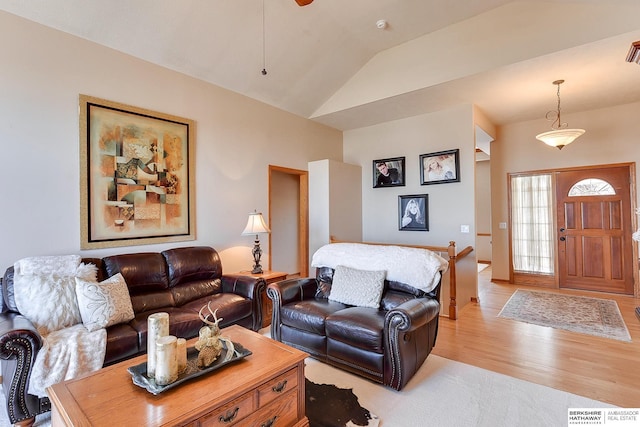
[255, 225]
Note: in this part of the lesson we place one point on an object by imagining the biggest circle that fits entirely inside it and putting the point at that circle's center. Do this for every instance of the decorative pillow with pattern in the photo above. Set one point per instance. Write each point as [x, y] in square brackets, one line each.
[357, 287]
[104, 304]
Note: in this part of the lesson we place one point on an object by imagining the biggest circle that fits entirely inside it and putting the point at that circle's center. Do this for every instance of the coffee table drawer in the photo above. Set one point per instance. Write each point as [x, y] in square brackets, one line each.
[277, 387]
[230, 413]
[282, 412]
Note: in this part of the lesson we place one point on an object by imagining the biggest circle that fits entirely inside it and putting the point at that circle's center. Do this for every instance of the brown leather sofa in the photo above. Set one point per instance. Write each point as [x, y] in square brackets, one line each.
[177, 281]
[386, 344]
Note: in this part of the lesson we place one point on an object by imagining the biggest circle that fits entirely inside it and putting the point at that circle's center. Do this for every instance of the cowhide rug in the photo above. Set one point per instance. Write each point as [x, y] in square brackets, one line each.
[330, 406]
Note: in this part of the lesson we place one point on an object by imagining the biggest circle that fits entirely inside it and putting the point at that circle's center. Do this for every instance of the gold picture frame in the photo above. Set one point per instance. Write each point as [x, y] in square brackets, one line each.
[136, 175]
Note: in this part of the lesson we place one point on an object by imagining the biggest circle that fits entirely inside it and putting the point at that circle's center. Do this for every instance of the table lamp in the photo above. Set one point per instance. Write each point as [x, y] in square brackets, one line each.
[256, 225]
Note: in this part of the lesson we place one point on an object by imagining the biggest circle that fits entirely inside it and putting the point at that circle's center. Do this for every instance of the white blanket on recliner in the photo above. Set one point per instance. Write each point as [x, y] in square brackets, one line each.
[67, 354]
[44, 290]
[420, 268]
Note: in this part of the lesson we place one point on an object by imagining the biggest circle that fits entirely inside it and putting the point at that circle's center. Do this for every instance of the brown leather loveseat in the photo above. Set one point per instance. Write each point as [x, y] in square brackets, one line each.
[386, 343]
[177, 281]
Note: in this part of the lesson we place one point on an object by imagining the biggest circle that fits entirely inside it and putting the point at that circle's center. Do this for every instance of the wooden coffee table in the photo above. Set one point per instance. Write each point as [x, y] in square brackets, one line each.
[265, 388]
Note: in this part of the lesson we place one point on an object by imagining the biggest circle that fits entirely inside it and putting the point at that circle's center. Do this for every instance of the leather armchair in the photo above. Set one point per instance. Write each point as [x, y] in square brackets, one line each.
[386, 345]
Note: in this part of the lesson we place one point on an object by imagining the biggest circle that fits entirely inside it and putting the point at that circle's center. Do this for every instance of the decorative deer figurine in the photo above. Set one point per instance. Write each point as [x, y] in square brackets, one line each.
[209, 344]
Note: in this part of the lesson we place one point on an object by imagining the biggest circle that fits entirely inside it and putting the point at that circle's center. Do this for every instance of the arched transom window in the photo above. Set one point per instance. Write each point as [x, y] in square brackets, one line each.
[591, 187]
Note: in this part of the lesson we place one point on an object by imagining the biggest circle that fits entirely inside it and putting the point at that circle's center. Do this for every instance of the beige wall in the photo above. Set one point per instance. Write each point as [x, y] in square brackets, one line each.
[285, 197]
[483, 210]
[42, 73]
[450, 205]
[611, 137]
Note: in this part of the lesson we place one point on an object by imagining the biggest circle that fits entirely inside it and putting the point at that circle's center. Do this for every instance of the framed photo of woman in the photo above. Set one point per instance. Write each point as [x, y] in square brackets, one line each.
[413, 212]
[440, 167]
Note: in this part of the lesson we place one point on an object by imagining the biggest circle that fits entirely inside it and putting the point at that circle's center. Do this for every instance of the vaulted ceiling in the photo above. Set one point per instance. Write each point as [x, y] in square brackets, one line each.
[330, 62]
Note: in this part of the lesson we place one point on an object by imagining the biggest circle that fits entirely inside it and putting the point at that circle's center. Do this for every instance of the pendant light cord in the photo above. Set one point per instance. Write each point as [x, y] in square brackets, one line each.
[555, 115]
[264, 66]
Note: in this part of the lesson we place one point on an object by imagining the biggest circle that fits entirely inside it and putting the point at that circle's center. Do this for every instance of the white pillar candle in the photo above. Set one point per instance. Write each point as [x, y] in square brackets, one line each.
[166, 360]
[157, 326]
[182, 355]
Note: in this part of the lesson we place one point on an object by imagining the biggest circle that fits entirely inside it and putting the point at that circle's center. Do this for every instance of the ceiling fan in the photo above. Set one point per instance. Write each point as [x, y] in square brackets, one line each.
[304, 2]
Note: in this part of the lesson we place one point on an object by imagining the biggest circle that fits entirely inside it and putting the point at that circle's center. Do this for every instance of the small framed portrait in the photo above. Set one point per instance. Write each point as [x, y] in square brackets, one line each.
[440, 168]
[388, 172]
[413, 212]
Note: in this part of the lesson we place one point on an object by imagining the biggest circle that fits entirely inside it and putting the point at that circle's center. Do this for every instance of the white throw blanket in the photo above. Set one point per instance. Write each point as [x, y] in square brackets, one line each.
[64, 265]
[420, 268]
[44, 290]
[66, 354]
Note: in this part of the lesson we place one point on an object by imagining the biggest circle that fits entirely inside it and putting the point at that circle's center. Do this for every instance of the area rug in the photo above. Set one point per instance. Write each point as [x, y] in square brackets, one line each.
[331, 406]
[446, 393]
[592, 316]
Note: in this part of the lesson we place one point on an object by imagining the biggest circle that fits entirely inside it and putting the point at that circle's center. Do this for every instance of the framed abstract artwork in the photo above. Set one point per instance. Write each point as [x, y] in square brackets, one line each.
[137, 175]
[388, 172]
[440, 167]
[413, 212]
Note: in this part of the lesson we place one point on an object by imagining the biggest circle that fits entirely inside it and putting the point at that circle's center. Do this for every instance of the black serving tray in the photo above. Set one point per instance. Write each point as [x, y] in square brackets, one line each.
[140, 378]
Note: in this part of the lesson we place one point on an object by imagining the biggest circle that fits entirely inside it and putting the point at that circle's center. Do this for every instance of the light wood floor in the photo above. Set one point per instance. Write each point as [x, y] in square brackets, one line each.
[599, 368]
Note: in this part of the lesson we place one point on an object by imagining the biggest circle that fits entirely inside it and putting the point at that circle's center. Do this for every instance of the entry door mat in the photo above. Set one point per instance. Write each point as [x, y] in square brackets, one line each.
[585, 315]
[330, 406]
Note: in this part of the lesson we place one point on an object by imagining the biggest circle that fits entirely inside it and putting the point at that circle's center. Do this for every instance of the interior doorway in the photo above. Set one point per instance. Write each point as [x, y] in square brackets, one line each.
[288, 220]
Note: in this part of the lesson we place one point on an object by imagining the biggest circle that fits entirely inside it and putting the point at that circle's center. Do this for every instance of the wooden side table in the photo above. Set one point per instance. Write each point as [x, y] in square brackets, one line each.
[269, 277]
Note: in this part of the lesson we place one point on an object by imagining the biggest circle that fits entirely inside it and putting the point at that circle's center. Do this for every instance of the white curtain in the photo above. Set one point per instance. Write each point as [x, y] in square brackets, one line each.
[532, 224]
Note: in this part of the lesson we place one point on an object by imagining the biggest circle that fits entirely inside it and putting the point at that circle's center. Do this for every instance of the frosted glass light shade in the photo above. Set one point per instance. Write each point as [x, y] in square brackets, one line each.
[561, 137]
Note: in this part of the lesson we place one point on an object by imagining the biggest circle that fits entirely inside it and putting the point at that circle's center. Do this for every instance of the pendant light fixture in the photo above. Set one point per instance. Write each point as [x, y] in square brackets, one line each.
[560, 135]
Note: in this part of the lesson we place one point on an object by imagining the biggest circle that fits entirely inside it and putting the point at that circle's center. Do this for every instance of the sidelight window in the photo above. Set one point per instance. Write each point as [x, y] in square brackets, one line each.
[532, 224]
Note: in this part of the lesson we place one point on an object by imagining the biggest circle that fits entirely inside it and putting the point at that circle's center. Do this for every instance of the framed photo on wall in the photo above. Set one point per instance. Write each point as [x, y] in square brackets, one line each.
[137, 175]
[388, 172]
[413, 212]
[440, 168]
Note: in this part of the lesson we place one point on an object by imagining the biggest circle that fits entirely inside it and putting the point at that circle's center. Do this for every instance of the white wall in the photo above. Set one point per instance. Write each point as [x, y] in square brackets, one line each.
[450, 205]
[42, 73]
[611, 137]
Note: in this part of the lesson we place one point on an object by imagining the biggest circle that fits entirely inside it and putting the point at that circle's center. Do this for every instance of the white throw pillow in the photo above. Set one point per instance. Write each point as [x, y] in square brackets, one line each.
[357, 287]
[104, 304]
